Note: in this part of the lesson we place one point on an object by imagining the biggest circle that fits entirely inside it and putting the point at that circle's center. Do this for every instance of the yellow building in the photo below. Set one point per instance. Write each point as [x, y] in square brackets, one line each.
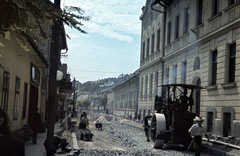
[20, 79]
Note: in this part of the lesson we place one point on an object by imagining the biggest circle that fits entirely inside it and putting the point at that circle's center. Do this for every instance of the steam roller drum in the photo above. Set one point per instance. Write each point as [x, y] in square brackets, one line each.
[158, 125]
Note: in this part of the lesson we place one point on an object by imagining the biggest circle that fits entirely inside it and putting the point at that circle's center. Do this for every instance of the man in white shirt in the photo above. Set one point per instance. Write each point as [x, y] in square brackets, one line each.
[196, 132]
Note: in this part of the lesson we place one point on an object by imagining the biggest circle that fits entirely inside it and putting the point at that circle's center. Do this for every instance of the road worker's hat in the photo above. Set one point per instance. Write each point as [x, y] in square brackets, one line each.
[198, 119]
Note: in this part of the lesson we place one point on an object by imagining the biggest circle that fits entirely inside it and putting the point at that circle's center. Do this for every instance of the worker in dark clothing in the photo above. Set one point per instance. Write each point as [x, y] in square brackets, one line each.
[9, 146]
[35, 125]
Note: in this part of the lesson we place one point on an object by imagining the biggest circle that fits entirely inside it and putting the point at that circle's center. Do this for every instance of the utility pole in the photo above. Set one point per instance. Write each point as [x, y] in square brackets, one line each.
[74, 96]
[52, 92]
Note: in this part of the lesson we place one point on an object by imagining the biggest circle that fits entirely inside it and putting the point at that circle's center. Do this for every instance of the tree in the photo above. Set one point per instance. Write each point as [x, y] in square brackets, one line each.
[103, 100]
[18, 15]
[84, 102]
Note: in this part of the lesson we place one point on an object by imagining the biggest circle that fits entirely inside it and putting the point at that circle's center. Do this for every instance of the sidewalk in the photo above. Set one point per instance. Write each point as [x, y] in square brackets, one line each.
[39, 149]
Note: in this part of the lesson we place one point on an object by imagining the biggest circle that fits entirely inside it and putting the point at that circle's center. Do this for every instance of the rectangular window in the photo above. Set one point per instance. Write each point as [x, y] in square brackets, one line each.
[146, 85]
[209, 121]
[226, 124]
[200, 12]
[169, 33]
[153, 43]
[148, 47]
[156, 83]
[186, 18]
[25, 96]
[167, 76]
[214, 67]
[184, 72]
[215, 7]
[177, 27]
[141, 87]
[150, 84]
[5, 91]
[16, 99]
[158, 39]
[232, 62]
[174, 76]
[143, 51]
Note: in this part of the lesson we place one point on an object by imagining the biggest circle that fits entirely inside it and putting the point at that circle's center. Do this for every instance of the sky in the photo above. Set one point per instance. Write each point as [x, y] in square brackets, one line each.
[112, 44]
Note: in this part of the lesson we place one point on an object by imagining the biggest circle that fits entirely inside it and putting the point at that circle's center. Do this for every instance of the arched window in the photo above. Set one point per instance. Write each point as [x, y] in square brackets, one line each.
[196, 64]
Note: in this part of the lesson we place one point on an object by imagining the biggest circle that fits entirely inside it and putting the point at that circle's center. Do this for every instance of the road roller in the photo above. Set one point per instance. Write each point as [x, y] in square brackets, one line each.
[169, 125]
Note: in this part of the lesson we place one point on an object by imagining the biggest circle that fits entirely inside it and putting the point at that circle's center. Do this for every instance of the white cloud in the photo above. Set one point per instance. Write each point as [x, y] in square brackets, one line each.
[112, 18]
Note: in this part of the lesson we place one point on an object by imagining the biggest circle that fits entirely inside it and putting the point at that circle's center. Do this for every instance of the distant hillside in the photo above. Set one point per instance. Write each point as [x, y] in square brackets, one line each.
[96, 86]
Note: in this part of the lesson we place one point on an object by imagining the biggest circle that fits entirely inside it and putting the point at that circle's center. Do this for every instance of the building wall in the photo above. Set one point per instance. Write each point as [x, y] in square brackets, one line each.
[125, 100]
[219, 103]
[150, 76]
[17, 62]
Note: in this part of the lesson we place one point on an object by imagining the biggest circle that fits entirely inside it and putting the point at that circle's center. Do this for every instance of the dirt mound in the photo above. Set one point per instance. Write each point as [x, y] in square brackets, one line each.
[102, 119]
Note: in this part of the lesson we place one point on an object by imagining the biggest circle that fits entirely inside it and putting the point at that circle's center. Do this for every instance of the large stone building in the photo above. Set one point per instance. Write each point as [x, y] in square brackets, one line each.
[125, 97]
[194, 42]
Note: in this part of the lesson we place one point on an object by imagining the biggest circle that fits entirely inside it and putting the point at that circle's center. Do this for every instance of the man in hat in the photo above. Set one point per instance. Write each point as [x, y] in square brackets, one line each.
[196, 132]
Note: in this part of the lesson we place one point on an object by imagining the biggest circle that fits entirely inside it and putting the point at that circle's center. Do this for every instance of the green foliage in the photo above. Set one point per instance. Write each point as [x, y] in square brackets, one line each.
[103, 101]
[84, 102]
[30, 17]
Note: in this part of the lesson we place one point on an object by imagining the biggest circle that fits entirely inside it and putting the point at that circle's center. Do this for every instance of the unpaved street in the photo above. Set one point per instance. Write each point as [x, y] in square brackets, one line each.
[120, 138]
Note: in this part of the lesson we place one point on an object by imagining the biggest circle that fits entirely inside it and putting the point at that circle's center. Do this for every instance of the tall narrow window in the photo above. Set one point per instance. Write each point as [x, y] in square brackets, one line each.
[25, 96]
[153, 43]
[150, 84]
[5, 91]
[143, 51]
[215, 7]
[148, 47]
[146, 85]
[169, 33]
[16, 99]
[184, 72]
[156, 83]
[186, 20]
[177, 27]
[200, 12]
[214, 67]
[158, 39]
[232, 62]
[209, 121]
[226, 124]
[174, 74]
[141, 95]
[167, 76]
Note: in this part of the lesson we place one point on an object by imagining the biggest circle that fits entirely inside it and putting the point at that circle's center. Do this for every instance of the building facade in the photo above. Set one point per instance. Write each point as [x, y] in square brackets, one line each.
[201, 46]
[20, 80]
[125, 98]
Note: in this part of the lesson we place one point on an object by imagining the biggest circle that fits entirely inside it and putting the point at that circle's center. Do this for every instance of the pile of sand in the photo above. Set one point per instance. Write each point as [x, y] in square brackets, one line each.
[102, 119]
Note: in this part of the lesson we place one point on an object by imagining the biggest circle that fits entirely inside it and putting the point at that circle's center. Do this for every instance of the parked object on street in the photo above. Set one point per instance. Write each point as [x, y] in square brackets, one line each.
[169, 126]
[10, 146]
[86, 134]
[98, 125]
